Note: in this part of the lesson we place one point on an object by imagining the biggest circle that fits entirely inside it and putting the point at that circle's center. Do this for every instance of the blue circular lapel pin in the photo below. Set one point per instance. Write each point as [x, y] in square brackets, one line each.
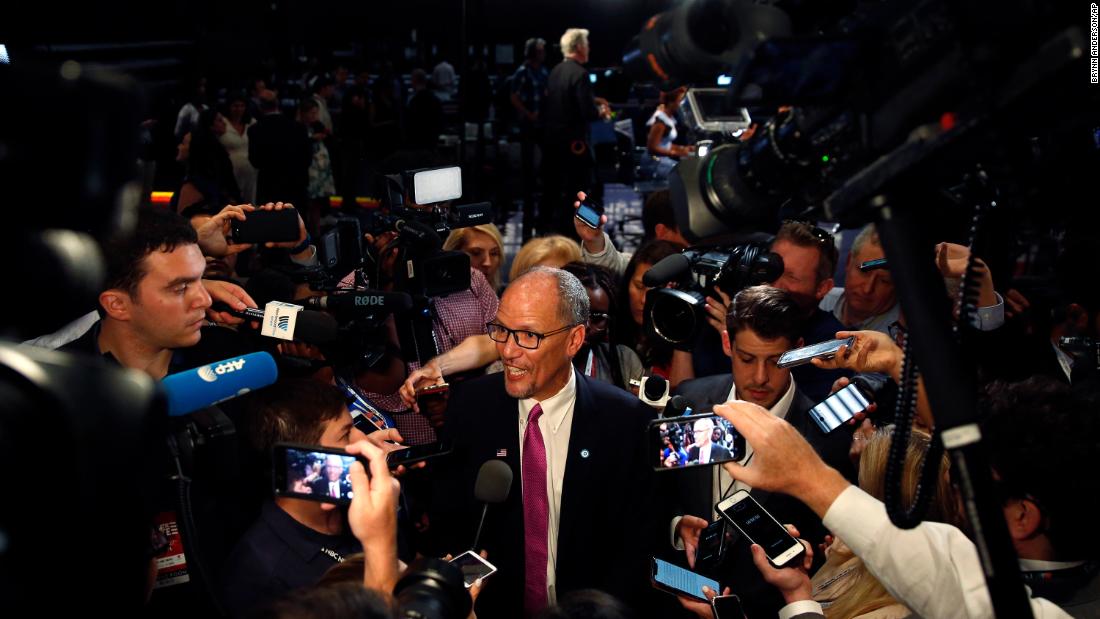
[584, 453]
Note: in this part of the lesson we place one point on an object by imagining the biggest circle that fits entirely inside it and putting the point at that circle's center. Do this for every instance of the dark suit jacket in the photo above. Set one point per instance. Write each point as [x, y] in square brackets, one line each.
[319, 486]
[605, 503]
[280, 150]
[693, 493]
[717, 452]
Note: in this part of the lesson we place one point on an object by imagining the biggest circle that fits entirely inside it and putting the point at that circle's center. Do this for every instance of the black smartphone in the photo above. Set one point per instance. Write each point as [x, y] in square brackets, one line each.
[313, 472]
[474, 567]
[727, 607]
[266, 227]
[872, 265]
[677, 580]
[712, 546]
[694, 440]
[589, 214]
[760, 527]
[823, 350]
[416, 453]
[838, 408]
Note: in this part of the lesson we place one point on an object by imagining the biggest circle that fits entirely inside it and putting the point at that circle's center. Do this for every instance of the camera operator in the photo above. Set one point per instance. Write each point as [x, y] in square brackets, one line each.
[762, 323]
[294, 540]
[570, 106]
[933, 568]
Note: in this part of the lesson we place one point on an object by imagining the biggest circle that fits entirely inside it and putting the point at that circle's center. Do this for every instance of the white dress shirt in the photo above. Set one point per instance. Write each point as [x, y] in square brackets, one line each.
[933, 569]
[556, 424]
[720, 479]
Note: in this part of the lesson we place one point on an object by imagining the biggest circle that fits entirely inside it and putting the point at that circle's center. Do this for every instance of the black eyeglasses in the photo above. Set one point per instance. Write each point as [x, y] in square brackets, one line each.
[524, 339]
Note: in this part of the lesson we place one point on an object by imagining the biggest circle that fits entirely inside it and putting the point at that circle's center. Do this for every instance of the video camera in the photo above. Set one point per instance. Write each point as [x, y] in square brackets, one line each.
[677, 314]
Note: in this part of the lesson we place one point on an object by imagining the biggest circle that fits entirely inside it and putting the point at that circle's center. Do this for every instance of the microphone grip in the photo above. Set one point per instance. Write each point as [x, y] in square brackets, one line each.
[251, 313]
[477, 536]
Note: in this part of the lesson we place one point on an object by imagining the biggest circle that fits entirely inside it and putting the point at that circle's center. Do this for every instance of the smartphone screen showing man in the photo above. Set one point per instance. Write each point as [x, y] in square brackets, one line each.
[695, 440]
[314, 473]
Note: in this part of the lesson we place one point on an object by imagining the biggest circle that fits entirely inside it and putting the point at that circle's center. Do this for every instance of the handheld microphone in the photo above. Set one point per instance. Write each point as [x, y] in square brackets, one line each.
[361, 303]
[678, 406]
[494, 482]
[667, 269]
[222, 380]
[288, 322]
[654, 391]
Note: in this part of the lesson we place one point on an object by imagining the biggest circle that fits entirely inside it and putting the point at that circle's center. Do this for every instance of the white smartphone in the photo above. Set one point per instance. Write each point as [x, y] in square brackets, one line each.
[760, 527]
[474, 568]
[802, 356]
[838, 408]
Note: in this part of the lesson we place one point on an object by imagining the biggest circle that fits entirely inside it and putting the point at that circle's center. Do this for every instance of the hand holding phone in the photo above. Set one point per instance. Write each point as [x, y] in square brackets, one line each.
[761, 528]
[678, 581]
[589, 214]
[313, 472]
[431, 400]
[694, 440]
[838, 408]
[266, 226]
[474, 567]
[802, 356]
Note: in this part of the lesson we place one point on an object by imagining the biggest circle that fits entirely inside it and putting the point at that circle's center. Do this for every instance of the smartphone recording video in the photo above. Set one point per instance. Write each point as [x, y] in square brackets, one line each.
[695, 440]
[589, 215]
[313, 472]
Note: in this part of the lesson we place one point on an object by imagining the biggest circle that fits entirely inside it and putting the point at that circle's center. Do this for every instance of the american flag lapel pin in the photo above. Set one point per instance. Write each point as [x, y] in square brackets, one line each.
[502, 453]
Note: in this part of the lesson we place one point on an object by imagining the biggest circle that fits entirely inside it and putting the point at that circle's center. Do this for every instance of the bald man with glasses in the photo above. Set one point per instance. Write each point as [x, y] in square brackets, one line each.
[576, 448]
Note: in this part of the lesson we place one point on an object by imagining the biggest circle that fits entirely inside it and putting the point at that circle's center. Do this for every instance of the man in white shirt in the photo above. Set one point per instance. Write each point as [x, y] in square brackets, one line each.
[933, 569]
[762, 323]
[578, 512]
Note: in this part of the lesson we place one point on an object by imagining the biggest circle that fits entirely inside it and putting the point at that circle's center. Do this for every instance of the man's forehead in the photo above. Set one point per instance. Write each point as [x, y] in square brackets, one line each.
[748, 341]
[183, 261]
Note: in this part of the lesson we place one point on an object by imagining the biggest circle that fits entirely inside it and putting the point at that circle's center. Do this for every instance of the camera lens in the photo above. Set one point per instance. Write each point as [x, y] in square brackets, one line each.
[432, 589]
[675, 315]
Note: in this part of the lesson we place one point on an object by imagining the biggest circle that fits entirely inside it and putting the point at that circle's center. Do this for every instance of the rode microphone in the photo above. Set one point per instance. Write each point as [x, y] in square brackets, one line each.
[208, 385]
[285, 321]
[654, 391]
[494, 481]
[366, 302]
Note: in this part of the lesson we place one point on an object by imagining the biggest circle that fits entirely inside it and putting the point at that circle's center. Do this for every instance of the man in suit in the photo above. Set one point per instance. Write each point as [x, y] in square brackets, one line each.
[762, 323]
[280, 150]
[705, 450]
[577, 514]
[334, 483]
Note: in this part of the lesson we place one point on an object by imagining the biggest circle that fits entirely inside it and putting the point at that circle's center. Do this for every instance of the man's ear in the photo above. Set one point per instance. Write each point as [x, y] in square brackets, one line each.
[116, 303]
[576, 340]
[727, 346]
[1024, 519]
[823, 288]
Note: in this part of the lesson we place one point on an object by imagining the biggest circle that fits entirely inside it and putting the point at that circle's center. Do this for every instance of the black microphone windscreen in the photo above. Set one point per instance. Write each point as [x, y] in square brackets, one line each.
[494, 480]
[666, 270]
[677, 406]
[655, 388]
[315, 327]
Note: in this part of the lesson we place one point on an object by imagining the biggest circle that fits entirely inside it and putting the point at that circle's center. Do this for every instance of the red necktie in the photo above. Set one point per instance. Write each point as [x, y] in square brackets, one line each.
[536, 514]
